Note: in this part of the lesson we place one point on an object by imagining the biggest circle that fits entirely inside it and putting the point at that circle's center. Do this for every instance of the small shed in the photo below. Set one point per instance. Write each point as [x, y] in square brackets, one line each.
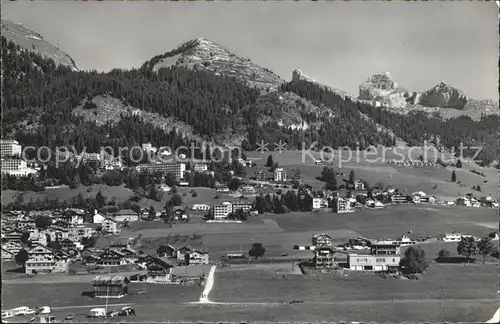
[110, 286]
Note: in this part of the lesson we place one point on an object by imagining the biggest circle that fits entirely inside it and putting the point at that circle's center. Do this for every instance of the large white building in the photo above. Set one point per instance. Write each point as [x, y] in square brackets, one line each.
[17, 168]
[10, 148]
[222, 211]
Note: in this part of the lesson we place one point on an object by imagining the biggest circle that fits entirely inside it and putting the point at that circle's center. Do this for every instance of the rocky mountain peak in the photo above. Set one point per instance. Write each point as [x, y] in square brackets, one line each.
[382, 88]
[204, 54]
[445, 96]
[34, 42]
[299, 75]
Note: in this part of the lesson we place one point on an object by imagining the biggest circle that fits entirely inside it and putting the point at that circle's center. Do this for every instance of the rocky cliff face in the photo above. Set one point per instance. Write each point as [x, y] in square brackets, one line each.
[204, 54]
[31, 41]
[383, 91]
[444, 96]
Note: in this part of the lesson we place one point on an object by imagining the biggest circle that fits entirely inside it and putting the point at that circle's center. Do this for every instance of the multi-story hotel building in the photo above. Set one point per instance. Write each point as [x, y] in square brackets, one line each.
[10, 148]
[222, 211]
[176, 168]
[16, 167]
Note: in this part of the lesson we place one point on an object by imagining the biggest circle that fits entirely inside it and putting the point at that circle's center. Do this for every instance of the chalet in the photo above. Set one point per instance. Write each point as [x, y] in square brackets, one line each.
[200, 207]
[60, 224]
[112, 258]
[181, 253]
[169, 251]
[7, 255]
[59, 235]
[67, 244]
[341, 205]
[110, 286]
[260, 176]
[416, 200]
[247, 189]
[397, 198]
[41, 259]
[109, 225]
[163, 188]
[319, 203]
[324, 257]
[321, 240]
[222, 189]
[80, 231]
[13, 235]
[97, 218]
[201, 167]
[243, 205]
[13, 247]
[159, 270]
[74, 216]
[359, 185]
[126, 215]
[25, 222]
[196, 257]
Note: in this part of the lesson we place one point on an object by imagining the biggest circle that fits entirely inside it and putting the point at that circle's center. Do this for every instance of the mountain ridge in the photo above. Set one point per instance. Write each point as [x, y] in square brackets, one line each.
[34, 42]
[204, 54]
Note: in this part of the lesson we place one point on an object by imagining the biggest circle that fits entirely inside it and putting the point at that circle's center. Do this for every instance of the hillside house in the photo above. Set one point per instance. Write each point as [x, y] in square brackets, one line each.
[110, 286]
[13, 236]
[451, 237]
[359, 185]
[200, 207]
[126, 215]
[13, 247]
[67, 244]
[159, 270]
[241, 205]
[321, 240]
[41, 259]
[169, 252]
[181, 253]
[319, 203]
[112, 258]
[280, 174]
[97, 218]
[109, 225]
[341, 205]
[398, 198]
[260, 176]
[196, 257]
[416, 200]
[7, 255]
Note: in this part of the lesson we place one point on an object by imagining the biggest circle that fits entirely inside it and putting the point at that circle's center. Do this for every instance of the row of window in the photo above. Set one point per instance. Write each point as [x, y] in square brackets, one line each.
[39, 264]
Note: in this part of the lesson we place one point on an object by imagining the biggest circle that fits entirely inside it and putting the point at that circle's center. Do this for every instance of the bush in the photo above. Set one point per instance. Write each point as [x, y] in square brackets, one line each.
[216, 197]
[444, 253]
[194, 194]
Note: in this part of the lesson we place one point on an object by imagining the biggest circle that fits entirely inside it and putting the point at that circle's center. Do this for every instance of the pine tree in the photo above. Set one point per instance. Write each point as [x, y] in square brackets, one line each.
[453, 176]
[270, 161]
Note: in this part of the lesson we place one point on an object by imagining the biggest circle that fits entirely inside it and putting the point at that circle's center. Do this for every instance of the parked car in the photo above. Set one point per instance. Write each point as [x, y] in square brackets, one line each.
[112, 313]
[69, 317]
[127, 311]
[43, 310]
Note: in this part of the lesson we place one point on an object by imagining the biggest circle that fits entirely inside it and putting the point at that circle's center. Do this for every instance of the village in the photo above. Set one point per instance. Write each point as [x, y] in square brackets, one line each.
[84, 241]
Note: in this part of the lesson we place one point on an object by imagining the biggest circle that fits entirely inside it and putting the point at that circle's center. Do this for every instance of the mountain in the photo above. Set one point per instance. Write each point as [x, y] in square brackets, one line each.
[384, 91]
[445, 96]
[201, 92]
[203, 54]
[34, 42]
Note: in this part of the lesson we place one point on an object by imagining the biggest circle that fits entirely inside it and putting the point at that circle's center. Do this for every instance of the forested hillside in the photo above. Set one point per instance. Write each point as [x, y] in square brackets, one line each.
[39, 101]
[415, 127]
[44, 96]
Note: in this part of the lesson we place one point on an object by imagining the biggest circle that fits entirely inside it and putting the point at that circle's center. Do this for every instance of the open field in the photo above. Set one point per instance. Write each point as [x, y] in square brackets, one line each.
[395, 220]
[263, 296]
[367, 292]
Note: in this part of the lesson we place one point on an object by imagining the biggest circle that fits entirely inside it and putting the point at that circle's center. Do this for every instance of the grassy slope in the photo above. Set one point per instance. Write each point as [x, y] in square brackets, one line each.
[409, 179]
